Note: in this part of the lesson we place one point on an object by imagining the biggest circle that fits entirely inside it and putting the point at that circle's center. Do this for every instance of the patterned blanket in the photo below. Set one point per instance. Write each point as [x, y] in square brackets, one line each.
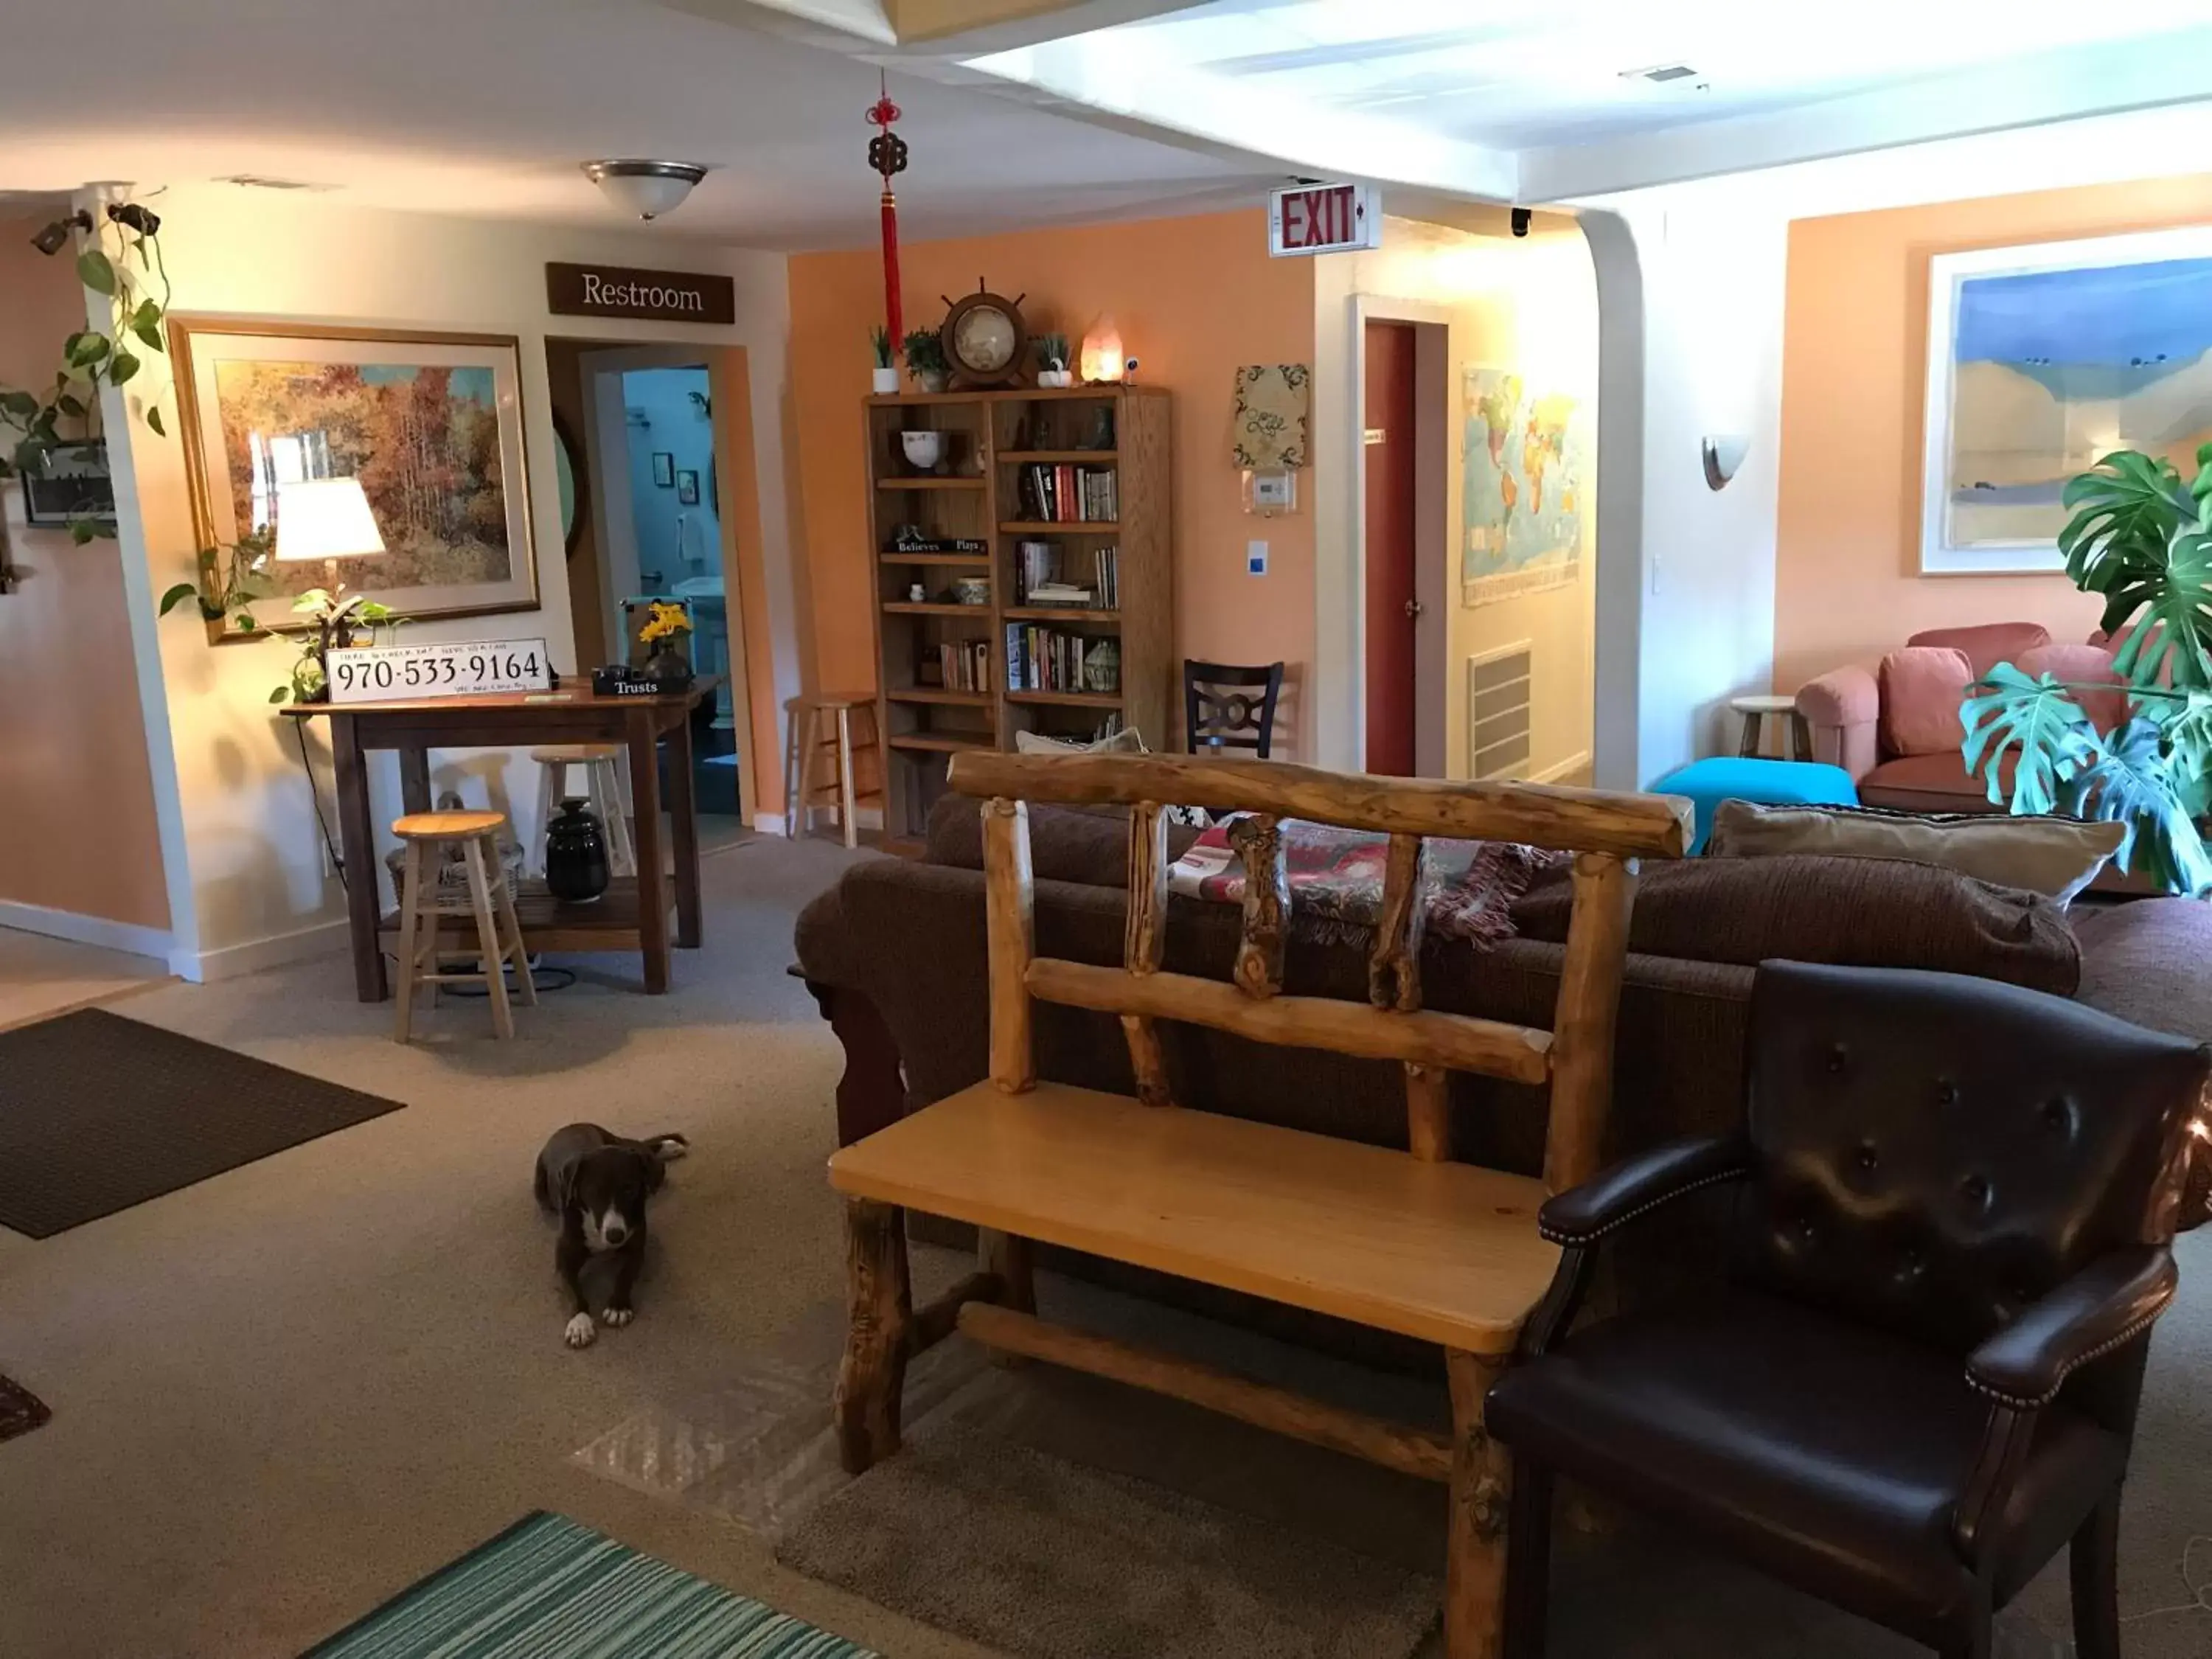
[1468, 887]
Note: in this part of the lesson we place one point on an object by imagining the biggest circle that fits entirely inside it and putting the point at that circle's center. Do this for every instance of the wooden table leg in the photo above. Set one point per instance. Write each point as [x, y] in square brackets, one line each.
[1481, 1482]
[683, 813]
[651, 894]
[415, 780]
[358, 846]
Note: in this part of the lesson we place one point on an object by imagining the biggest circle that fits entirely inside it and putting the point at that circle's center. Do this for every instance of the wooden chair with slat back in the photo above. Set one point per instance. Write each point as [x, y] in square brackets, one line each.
[1226, 706]
[1407, 1242]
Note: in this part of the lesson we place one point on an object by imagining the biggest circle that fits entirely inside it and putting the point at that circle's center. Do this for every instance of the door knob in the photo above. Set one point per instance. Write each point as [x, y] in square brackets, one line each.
[1413, 608]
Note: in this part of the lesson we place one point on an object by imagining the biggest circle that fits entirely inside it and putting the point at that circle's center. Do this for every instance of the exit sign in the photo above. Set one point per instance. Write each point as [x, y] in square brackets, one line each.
[1324, 219]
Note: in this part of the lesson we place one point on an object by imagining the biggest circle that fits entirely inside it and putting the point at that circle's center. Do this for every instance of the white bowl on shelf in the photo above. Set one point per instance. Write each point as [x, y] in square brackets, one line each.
[923, 449]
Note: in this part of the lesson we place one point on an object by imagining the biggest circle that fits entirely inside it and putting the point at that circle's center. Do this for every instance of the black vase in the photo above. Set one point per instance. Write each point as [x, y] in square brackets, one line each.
[576, 870]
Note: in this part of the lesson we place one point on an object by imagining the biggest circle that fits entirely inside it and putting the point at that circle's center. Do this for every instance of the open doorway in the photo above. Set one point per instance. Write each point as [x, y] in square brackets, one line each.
[654, 463]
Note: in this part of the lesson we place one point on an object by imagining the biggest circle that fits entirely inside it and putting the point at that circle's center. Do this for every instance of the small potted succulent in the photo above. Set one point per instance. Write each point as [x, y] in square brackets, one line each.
[925, 359]
[886, 378]
[1053, 360]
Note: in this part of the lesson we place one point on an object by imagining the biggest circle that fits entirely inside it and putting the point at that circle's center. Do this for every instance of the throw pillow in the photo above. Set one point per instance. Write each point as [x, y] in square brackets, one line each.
[1922, 687]
[2056, 857]
[1127, 741]
[1854, 912]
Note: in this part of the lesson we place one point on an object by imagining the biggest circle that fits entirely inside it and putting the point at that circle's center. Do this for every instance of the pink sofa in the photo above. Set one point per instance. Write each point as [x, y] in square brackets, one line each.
[1896, 729]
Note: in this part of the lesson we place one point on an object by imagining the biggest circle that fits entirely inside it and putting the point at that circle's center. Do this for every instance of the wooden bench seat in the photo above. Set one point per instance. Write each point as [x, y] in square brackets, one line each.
[1407, 1242]
[1444, 1252]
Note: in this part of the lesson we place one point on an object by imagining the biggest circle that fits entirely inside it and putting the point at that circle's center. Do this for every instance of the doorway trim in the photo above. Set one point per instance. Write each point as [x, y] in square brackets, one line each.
[1341, 586]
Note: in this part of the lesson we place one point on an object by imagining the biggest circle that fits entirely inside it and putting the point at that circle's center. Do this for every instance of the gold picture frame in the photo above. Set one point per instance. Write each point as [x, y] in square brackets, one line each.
[469, 548]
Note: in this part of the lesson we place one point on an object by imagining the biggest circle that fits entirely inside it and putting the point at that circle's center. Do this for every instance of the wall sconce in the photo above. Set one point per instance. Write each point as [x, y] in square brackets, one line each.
[1101, 361]
[1724, 453]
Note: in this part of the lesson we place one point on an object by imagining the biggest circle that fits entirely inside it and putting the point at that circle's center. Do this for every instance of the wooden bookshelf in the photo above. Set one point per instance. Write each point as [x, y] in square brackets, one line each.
[991, 439]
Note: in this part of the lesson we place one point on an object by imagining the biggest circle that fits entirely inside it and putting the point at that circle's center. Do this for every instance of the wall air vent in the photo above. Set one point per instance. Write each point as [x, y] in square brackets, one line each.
[1498, 684]
[1661, 73]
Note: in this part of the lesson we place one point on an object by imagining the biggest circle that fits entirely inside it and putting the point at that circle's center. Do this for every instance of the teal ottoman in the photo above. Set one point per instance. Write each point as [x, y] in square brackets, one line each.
[1769, 782]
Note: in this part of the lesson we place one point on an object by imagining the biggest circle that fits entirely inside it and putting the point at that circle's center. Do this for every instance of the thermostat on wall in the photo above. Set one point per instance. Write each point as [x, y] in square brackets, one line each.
[1275, 490]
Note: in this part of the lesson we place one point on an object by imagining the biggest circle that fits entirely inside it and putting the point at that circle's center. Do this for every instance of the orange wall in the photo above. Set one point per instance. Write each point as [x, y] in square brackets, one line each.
[1193, 299]
[1853, 381]
[77, 831]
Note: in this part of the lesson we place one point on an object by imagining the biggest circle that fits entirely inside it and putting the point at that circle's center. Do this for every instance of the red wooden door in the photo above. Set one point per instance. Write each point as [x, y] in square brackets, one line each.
[1391, 607]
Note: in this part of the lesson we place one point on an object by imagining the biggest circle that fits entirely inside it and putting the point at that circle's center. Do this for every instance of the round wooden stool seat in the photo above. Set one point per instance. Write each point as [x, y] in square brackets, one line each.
[829, 700]
[446, 826]
[576, 754]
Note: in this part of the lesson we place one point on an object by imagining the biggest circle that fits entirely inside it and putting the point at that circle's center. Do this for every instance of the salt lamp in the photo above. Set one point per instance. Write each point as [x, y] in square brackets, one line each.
[1101, 357]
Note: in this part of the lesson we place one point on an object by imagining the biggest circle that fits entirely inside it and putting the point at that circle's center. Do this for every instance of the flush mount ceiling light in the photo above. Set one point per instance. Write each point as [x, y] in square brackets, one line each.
[647, 189]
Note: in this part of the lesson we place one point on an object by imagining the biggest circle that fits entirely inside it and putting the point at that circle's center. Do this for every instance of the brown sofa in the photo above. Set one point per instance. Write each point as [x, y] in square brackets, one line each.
[895, 951]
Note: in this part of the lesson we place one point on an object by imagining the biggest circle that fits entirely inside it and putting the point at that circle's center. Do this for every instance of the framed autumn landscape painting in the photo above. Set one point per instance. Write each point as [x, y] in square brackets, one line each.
[430, 423]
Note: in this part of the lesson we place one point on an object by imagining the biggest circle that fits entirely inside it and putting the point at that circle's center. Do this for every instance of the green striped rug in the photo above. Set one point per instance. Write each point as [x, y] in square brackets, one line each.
[548, 1589]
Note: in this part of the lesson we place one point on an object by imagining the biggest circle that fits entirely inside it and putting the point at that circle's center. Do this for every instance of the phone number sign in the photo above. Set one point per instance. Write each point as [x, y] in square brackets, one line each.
[482, 668]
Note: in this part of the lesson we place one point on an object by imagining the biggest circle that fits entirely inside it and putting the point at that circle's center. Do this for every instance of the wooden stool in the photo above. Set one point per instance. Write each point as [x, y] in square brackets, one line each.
[820, 723]
[602, 764]
[1755, 709]
[497, 940]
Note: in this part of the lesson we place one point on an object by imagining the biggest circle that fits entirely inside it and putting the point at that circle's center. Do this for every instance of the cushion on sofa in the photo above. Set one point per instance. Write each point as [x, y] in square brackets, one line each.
[1922, 687]
[1855, 911]
[1934, 783]
[1987, 644]
[1085, 844]
[2055, 856]
[2079, 665]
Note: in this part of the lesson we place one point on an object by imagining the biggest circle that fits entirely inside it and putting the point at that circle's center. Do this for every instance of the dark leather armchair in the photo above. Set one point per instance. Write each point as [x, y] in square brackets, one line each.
[1947, 1217]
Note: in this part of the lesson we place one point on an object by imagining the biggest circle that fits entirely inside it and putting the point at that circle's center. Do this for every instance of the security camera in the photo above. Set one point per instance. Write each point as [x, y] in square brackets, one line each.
[55, 237]
[132, 215]
[1520, 218]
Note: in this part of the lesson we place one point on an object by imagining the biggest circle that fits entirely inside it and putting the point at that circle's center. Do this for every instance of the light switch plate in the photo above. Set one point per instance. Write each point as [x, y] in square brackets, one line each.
[1255, 558]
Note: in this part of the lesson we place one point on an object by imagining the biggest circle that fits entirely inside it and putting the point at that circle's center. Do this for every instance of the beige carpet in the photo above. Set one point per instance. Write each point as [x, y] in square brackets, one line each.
[41, 977]
[283, 1394]
[286, 1392]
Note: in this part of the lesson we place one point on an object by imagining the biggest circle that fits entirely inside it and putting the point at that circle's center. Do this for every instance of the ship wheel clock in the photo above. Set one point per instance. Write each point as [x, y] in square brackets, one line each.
[984, 339]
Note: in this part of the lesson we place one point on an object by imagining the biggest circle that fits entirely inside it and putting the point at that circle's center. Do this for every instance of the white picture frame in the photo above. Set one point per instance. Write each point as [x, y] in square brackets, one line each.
[1946, 547]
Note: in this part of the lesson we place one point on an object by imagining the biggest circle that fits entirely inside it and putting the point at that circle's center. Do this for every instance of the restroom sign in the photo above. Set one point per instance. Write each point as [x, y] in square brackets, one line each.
[1324, 219]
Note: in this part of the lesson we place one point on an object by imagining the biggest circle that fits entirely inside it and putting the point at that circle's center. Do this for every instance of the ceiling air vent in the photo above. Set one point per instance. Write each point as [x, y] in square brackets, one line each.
[262, 181]
[1661, 73]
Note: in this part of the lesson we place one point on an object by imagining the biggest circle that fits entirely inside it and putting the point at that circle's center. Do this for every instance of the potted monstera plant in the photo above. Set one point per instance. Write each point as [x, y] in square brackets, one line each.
[2140, 537]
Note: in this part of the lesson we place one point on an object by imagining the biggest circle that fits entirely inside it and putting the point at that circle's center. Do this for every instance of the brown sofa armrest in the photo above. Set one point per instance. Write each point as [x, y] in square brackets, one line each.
[1842, 709]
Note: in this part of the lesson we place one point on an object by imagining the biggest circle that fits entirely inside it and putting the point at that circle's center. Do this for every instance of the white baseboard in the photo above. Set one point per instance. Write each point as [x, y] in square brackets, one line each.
[85, 929]
[1565, 769]
[235, 961]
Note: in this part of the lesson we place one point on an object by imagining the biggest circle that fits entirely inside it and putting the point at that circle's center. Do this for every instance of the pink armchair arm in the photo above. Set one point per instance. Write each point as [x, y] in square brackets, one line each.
[1842, 710]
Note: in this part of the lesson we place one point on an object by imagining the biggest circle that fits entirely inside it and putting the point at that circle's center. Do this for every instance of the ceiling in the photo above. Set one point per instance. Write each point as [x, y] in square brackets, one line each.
[486, 106]
[1543, 103]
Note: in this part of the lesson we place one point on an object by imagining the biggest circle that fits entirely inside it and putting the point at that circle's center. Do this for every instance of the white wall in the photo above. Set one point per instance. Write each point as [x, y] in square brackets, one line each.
[248, 885]
[1530, 304]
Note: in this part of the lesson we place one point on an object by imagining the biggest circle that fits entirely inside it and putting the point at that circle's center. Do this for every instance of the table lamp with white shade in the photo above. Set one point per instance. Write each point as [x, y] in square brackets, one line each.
[328, 520]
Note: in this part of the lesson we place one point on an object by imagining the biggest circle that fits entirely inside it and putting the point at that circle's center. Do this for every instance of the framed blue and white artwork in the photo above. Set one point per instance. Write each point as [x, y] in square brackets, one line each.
[2041, 360]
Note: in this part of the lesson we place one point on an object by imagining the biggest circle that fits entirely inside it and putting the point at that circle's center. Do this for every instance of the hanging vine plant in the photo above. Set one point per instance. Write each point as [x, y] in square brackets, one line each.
[120, 260]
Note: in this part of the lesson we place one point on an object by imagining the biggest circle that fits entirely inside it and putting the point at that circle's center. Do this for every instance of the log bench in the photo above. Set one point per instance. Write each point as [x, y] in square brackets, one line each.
[1409, 1242]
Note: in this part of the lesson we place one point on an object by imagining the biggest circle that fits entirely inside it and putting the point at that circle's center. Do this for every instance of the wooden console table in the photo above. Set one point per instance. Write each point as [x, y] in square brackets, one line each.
[628, 916]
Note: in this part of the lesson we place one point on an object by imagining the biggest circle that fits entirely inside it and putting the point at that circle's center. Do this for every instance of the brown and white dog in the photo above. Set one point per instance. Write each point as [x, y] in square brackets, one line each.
[597, 1182]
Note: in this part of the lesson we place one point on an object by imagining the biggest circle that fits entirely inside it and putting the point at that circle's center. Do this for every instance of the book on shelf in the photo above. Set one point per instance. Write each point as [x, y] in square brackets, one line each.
[1042, 576]
[965, 666]
[1067, 494]
[1040, 659]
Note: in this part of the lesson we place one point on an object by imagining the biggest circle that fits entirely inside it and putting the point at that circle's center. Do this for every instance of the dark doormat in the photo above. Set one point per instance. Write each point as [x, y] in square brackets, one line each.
[21, 1411]
[99, 1113]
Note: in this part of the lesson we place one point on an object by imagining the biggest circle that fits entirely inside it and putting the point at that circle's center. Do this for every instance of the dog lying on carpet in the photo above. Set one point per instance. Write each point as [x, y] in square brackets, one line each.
[597, 1182]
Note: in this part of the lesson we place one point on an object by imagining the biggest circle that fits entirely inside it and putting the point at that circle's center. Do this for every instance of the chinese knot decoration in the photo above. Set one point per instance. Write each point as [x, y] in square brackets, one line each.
[887, 155]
